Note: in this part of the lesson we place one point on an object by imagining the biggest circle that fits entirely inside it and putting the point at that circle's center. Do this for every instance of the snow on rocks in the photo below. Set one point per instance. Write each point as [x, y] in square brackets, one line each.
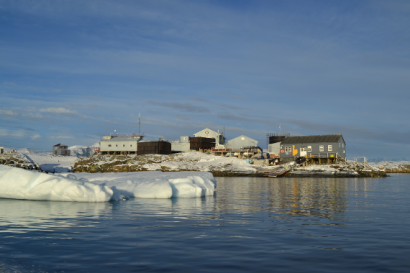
[337, 170]
[392, 166]
[190, 161]
[86, 187]
[18, 160]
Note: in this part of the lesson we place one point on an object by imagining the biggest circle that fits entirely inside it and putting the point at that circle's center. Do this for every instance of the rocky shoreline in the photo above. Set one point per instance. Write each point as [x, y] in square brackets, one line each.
[178, 163]
[218, 166]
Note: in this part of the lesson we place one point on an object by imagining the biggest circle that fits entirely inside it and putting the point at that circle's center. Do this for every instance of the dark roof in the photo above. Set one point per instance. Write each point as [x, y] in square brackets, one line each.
[59, 145]
[312, 139]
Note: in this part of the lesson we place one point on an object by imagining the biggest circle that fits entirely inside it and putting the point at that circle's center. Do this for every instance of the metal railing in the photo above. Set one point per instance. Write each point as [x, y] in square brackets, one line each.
[356, 162]
[323, 155]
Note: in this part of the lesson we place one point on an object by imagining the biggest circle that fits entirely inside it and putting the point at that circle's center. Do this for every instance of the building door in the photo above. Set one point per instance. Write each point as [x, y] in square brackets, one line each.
[303, 151]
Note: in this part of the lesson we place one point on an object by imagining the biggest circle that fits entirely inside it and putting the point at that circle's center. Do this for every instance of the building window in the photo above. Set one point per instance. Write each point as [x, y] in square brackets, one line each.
[321, 148]
[340, 144]
[116, 145]
[329, 148]
[344, 151]
[123, 145]
[109, 145]
[130, 145]
[343, 145]
[309, 149]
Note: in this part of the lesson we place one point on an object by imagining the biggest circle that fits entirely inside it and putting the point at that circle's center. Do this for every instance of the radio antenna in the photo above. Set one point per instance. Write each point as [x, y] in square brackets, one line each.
[139, 124]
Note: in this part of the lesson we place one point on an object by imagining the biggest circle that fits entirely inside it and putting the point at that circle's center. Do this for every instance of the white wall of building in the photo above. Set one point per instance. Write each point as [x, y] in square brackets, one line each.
[119, 144]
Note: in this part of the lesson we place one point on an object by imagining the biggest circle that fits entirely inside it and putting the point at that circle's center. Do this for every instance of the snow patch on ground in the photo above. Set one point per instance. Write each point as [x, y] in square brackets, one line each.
[52, 163]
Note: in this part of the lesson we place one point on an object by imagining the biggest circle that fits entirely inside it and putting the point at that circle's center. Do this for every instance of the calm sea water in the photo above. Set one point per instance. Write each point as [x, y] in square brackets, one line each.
[251, 224]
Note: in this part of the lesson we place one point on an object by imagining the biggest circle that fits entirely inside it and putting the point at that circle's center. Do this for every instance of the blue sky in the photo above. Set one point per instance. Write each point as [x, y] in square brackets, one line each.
[72, 71]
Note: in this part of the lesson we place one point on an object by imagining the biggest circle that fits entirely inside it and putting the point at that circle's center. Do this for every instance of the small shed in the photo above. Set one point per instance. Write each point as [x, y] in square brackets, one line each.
[61, 149]
[241, 142]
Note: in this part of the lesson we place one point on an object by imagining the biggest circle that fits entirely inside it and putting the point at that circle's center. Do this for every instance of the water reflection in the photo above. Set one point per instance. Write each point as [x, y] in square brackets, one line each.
[324, 198]
[178, 207]
[21, 216]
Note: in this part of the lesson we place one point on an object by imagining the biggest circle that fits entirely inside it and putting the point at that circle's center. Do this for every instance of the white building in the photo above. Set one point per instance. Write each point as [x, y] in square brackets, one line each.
[274, 148]
[119, 144]
[208, 133]
[241, 142]
[182, 145]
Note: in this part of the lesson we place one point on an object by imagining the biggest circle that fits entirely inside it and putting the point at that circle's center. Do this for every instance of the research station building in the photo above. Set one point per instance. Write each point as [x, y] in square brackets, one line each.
[241, 142]
[208, 133]
[61, 149]
[316, 147]
[119, 144]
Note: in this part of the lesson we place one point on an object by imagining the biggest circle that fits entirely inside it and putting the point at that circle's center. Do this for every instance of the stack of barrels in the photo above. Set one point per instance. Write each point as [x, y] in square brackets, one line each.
[204, 143]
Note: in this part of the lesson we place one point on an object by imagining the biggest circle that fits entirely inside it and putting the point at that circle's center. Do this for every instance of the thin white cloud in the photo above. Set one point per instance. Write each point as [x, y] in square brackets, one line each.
[11, 83]
[33, 115]
[61, 137]
[35, 136]
[8, 112]
[14, 113]
[59, 110]
[19, 134]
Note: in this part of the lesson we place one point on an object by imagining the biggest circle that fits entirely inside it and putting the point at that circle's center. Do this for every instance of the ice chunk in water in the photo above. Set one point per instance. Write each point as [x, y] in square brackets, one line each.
[23, 184]
[89, 187]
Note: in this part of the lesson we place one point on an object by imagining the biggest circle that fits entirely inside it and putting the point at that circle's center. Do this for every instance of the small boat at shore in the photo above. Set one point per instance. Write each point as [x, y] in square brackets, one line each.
[276, 173]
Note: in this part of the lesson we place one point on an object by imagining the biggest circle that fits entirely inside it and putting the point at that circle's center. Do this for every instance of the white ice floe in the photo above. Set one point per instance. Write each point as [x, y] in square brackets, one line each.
[153, 184]
[18, 183]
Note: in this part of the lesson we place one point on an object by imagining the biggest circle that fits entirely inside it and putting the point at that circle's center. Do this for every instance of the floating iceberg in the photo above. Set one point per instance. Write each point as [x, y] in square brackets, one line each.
[18, 183]
[152, 184]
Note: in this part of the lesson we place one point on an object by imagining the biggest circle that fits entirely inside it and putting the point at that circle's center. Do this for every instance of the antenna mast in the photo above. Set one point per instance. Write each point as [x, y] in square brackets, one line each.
[139, 124]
